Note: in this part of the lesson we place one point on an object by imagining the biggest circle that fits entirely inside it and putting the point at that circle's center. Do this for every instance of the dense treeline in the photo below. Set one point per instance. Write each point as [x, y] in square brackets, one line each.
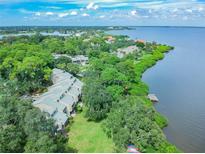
[26, 63]
[29, 60]
[131, 122]
[50, 29]
[114, 91]
[119, 77]
[25, 67]
[24, 128]
[120, 42]
[30, 65]
[86, 43]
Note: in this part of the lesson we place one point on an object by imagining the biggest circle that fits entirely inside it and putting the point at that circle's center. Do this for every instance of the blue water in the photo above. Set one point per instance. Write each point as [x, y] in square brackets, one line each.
[179, 83]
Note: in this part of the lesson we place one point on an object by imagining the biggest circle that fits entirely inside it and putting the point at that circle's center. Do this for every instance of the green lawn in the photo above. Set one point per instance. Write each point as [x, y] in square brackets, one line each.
[88, 136]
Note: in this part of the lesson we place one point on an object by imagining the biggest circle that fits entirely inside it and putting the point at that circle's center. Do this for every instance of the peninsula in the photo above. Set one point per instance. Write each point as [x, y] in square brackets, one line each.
[78, 93]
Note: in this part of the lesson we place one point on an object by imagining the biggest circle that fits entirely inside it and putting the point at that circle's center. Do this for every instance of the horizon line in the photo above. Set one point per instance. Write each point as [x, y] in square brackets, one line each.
[95, 26]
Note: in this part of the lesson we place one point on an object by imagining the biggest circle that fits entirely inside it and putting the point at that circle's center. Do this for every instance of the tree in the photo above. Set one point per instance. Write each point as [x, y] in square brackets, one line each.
[11, 139]
[115, 91]
[131, 122]
[98, 43]
[40, 142]
[127, 67]
[111, 76]
[31, 68]
[140, 44]
[36, 121]
[26, 63]
[98, 101]
[63, 60]
[96, 65]
[107, 58]
[54, 45]
[69, 67]
[121, 42]
[23, 127]
[72, 46]
[37, 38]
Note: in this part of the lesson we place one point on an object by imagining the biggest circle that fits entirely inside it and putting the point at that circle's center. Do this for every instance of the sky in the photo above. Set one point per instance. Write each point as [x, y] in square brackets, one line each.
[102, 12]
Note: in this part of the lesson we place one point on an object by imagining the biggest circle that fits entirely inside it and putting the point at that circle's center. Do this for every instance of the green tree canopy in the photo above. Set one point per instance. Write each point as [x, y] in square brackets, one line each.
[97, 99]
[24, 128]
[131, 122]
[26, 63]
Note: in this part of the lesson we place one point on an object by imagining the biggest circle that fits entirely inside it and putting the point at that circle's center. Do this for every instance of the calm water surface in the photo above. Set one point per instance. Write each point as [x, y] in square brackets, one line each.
[179, 82]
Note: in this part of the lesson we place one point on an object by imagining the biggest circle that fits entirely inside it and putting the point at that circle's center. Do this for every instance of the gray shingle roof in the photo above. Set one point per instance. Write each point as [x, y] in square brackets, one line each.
[80, 59]
[60, 119]
[60, 97]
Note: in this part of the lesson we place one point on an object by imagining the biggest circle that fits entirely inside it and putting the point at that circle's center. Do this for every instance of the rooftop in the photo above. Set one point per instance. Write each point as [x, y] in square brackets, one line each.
[80, 59]
[61, 96]
[124, 51]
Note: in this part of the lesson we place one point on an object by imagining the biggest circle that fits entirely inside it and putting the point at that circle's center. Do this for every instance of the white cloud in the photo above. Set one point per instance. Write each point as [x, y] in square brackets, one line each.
[171, 4]
[37, 13]
[54, 7]
[49, 13]
[73, 13]
[200, 9]
[114, 5]
[85, 15]
[149, 11]
[189, 10]
[92, 6]
[95, 7]
[134, 12]
[102, 16]
[175, 10]
[61, 15]
[113, 11]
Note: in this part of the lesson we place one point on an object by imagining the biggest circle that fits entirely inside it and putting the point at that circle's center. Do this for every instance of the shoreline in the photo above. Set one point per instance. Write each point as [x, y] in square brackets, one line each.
[153, 63]
[143, 70]
[137, 97]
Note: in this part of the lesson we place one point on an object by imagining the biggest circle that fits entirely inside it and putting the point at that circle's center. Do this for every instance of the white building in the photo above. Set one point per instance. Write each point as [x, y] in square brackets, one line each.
[125, 51]
[78, 59]
[60, 99]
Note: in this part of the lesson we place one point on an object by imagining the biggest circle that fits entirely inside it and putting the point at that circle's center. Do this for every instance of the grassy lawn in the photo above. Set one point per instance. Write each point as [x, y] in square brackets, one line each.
[88, 137]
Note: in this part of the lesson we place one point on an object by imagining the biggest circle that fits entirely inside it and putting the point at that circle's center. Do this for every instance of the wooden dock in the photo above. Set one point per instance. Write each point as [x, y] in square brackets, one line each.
[153, 98]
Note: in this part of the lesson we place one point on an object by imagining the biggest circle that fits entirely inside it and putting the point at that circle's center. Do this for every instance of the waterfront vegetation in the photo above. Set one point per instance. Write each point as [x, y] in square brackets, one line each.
[116, 110]
[114, 92]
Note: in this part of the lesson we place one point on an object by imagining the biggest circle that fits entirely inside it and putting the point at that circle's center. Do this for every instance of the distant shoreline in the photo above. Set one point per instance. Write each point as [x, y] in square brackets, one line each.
[10, 26]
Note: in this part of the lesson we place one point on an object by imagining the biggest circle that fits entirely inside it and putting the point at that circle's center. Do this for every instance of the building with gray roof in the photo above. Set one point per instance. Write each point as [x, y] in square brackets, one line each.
[125, 51]
[61, 98]
[78, 59]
